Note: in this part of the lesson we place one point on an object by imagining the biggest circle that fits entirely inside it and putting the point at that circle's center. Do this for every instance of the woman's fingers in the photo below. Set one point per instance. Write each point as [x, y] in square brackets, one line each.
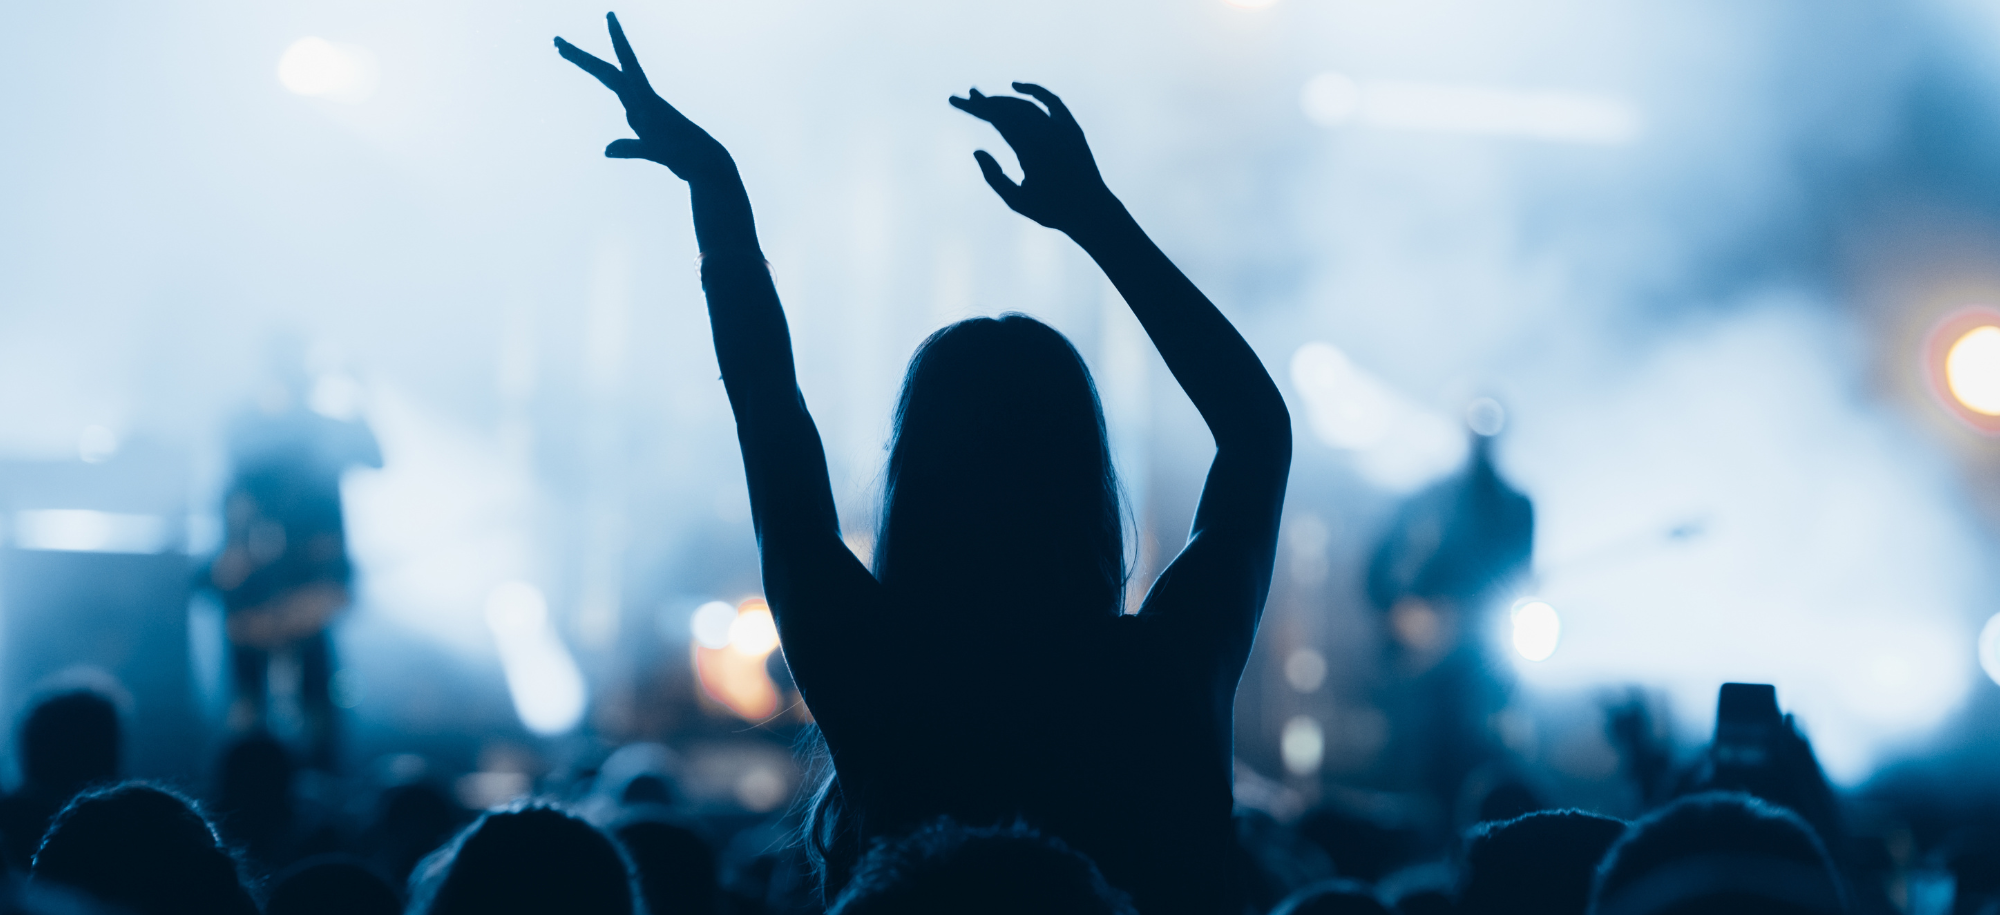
[604, 71]
[997, 178]
[627, 61]
[979, 106]
[1057, 109]
[628, 149]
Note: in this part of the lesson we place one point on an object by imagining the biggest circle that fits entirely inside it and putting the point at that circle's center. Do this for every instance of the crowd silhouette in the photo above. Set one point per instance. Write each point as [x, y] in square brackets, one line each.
[1003, 731]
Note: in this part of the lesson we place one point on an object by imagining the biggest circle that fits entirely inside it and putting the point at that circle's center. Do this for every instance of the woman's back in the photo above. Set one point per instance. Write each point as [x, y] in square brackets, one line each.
[987, 672]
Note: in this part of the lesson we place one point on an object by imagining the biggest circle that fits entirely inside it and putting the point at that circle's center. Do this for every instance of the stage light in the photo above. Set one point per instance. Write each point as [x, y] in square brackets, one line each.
[1302, 745]
[1305, 670]
[753, 632]
[1989, 648]
[96, 444]
[711, 624]
[322, 69]
[1537, 629]
[1972, 370]
[543, 680]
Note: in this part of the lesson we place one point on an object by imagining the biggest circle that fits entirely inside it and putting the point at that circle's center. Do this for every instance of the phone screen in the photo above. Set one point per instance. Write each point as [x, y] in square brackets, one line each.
[1746, 723]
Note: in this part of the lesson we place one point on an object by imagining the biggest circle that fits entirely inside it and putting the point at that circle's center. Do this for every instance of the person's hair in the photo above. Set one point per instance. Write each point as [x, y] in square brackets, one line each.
[332, 885]
[70, 740]
[994, 870]
[1000, 487]
[144, 849]
[1543, 862]
[531, 858]
[1718, 853]
[678, 869]
[1332, 897]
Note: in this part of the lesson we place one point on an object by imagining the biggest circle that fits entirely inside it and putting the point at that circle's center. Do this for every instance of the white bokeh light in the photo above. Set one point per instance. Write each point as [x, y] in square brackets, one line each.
[753, 632]
[1537, 630]
[712, 622]
[1302, 744]
[322, 69]
[1972, 369]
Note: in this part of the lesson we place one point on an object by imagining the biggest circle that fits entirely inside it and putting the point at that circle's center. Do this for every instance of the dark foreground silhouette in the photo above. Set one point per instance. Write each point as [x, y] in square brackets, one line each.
[984, 670]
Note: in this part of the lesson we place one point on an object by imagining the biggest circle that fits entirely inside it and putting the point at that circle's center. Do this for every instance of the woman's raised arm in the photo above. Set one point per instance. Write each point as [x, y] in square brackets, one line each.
[1228, 558]
[798, 532]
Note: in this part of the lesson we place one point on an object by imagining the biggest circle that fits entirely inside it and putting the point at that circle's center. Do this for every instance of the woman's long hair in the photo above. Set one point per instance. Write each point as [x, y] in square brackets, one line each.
[1000, 495]
[1000, 490]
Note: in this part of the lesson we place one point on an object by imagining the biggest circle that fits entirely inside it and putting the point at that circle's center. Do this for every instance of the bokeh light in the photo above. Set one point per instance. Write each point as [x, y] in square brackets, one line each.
[712, 622]
[1537, 629]
[753, 632]
[322, 69]
[1302, 744]
[1305, 669]
[1961, 360]
[1972, 370]
[730, 657]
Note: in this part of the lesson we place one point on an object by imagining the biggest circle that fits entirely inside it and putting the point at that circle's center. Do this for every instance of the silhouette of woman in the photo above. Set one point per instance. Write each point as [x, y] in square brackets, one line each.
[985, 671]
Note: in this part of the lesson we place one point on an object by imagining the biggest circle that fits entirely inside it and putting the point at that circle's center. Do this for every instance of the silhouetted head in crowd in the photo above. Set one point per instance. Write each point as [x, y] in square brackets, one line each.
[534, 859]
[638, 773]
[253, 800]
[143, 849]
[1332, 897]
[1000, 486]
[332, 885]
[69, 741]
[410, 821]
[1001, 870]
[1718, 854]
[677, 868]
[1539, 864]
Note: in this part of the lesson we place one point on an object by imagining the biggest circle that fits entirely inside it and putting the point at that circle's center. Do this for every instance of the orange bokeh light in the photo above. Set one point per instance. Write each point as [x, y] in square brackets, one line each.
[734, 675]
[1946, 354]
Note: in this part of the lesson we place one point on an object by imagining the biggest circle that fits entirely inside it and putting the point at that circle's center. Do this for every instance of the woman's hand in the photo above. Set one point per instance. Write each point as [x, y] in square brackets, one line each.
[1060, 187]
[665, 135]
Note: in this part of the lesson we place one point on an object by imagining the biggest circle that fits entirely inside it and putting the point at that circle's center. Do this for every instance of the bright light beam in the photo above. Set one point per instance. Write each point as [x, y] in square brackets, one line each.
[1989, 648]
[543, 679]
[85, 531]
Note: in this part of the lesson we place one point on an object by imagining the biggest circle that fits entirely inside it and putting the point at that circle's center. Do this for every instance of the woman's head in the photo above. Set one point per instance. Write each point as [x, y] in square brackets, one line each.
[1000, 485]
